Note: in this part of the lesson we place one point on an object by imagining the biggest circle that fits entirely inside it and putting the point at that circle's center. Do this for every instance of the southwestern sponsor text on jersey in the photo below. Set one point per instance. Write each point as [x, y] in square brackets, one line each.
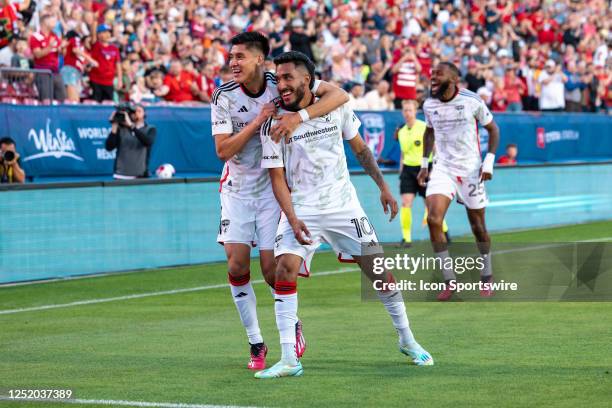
[328, 130]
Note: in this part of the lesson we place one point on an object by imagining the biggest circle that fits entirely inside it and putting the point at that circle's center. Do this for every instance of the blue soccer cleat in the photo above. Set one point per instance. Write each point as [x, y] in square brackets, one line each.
[279, 370]
[418, 355]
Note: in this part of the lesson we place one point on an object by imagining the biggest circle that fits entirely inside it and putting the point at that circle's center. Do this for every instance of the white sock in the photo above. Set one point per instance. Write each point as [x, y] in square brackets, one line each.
[394, 303]
[246, 303]
[446, 272]
[488, 266]
[285, 307]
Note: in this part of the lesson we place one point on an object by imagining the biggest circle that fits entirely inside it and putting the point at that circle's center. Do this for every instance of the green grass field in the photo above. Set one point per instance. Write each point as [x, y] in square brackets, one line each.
[190, 348]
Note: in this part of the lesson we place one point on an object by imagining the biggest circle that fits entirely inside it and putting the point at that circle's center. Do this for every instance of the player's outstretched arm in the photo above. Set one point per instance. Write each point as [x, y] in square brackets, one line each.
[368, 162]
[228, 145]
[486, 172]
[332, 98]
[283, 197]
[428, 145]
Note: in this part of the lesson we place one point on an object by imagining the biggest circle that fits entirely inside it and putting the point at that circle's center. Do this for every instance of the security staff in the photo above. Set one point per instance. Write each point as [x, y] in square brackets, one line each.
[410, 137]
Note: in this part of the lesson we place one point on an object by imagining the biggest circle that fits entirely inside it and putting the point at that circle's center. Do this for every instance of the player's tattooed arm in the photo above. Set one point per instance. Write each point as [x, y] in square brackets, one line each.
[365, 157]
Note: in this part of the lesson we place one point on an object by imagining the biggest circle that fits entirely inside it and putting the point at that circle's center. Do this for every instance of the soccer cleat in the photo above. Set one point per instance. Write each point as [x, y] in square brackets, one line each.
[279, 370]
[300, 341]
[486, 292]
[258, 357]
[446, 294]
[404, 244]
[448, 237]
[418, 355]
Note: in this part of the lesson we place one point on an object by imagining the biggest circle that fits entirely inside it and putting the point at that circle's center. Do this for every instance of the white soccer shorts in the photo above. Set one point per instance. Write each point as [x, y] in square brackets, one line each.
[346, 231]
[251, 222]
[470, 191]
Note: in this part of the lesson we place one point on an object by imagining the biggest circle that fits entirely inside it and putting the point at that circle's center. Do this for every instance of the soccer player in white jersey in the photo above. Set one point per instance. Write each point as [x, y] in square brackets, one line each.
[452, 116]
[311, 182]
[249, 211]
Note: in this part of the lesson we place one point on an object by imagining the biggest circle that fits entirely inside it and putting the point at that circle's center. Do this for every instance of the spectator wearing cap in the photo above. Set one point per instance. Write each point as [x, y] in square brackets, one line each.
[75, 60]
[301, 39]
[106, 55]
[552, 88]
[46, 47]
[356, 100]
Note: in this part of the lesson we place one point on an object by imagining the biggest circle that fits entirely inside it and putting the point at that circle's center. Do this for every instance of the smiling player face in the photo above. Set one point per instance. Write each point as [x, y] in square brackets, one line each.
[243, 62]
[442, 77]
[292, 84]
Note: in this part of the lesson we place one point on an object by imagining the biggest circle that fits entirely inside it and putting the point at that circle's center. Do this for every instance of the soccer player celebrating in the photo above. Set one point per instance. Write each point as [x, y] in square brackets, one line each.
[311, 182]
[249, 212]
[410, 137]
[452, 116]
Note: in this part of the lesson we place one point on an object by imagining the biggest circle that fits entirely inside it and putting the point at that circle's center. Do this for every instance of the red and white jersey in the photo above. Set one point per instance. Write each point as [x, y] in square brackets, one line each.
[232, 108]
[455, 124]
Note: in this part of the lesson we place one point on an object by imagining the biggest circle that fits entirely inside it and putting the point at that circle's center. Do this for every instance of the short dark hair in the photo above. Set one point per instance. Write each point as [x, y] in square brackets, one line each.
[452, 67]
[509, 145]
[7, 140]
[253, 39]
[298, 59]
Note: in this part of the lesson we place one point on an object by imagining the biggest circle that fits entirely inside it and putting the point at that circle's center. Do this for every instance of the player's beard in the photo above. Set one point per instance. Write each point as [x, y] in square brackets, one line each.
[442, 88]
[298, 94]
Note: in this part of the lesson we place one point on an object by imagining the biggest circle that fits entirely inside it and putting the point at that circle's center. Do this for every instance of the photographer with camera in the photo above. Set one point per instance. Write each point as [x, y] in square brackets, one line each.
[133, 139]
[10, 170]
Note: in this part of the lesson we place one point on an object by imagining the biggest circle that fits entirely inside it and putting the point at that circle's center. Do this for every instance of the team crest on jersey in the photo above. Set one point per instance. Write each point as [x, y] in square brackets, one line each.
[224, 226]
[374, 132]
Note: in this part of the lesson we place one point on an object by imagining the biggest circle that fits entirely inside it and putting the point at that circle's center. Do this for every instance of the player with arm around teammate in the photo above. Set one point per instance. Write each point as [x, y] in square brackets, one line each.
[249, 211]
[310, 180]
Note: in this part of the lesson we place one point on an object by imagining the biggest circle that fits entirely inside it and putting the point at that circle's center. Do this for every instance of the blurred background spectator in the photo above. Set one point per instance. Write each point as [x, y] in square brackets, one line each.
[509, 159]
[501, 46]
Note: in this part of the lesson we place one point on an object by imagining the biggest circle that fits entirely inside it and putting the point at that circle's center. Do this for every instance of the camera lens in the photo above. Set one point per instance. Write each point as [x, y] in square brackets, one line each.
[8, 156]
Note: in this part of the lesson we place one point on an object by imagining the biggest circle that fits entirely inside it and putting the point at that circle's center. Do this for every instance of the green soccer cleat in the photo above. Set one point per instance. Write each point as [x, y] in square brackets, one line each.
[418, 355]
[280, 369]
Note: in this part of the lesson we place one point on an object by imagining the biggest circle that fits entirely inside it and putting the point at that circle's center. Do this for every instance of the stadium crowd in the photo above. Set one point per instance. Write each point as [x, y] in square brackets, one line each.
[518, 55]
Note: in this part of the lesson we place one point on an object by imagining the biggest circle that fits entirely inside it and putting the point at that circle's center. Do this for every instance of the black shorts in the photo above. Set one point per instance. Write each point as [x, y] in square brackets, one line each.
[409, 183]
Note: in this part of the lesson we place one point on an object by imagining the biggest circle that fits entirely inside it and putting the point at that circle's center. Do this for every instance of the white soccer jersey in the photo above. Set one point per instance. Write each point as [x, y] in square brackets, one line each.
[232, 108]
[455, 124]
[315, 162]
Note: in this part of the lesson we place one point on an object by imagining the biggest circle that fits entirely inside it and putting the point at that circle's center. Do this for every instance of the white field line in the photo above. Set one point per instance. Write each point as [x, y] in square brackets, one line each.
[225, 285]
[151, 294]
[123, 403]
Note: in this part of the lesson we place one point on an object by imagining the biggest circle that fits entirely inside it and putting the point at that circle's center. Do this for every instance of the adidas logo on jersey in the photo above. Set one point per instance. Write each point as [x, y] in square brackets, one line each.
[241, 294]
[243, 109]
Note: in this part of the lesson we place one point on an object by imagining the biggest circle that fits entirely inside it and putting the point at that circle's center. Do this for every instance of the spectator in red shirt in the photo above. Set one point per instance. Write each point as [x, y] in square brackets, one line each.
[102, 77]
[514, 89]
[509, 159]
[75, 60]
[405, 71]
[9, 15]
[179, 83]
[46, 47]
[499, 100]
[206, 84]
